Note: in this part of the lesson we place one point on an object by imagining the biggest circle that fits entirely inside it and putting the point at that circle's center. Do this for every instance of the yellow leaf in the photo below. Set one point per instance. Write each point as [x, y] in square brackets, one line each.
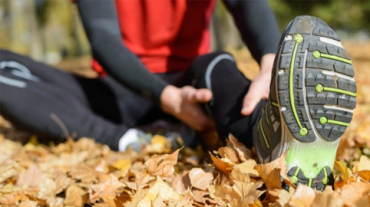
[160, 188]
[364, 163]
[123, 165]
[159, 144]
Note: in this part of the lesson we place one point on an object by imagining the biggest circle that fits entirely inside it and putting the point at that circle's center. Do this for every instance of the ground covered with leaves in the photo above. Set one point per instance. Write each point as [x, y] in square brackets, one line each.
[84, 173]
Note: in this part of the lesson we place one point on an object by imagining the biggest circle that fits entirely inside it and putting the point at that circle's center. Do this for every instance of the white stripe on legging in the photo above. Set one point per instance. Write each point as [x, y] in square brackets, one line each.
[210, 67]
[22, 71]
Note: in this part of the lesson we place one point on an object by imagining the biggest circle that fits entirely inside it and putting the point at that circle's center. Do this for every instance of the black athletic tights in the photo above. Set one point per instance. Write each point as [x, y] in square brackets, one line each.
[38, 98]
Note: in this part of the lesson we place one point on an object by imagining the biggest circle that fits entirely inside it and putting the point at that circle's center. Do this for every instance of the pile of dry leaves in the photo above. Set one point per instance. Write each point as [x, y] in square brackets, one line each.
[83, 172]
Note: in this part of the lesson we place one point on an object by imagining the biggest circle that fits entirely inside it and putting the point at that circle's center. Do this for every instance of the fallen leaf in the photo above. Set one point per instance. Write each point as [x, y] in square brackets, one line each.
[364, 175]
[123, 165]
[75, 196]
[247, 167]
[351, 193]
[238, 175]
[248, 193]
[158, 144]
[106, 191]
[303, 196]
[32, 177]
[243, 153]
[346, 172]
[200, 179]
[326, 199]
[223, 165]
[61, 183]
[227, 152]
[162, 165]
[160, 188]
[47, 189]
[364, 163]
[28, 204]
[8, 171]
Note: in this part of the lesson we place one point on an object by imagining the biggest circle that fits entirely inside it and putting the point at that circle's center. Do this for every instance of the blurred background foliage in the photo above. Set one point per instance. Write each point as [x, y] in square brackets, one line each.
[50, 30]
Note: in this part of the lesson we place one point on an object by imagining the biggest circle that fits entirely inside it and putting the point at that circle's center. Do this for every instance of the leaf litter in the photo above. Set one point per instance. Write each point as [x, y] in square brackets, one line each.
[84, 173]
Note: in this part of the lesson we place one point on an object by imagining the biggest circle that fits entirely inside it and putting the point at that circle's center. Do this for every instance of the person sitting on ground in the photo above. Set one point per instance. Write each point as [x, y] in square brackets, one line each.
[155, 62]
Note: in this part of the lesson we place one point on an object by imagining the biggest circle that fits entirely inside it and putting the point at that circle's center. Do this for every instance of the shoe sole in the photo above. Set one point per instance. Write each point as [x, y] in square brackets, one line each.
[316, 98]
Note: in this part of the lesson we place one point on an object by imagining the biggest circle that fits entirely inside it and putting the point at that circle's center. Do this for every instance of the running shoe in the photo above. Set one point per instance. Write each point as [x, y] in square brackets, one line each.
[311, 102]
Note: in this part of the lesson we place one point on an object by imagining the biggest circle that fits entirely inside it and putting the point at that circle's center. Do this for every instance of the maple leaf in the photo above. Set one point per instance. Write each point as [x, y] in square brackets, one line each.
[247, 167]
[303, 196]
[200, 179]
[75, 196]
[160, 188]
[271, 172]
[238, 175]
[247, 193]
[162, 165]
[106, 191]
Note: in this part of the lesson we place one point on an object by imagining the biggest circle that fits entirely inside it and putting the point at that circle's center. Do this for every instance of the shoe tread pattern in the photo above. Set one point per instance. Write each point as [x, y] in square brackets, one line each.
[311, 30]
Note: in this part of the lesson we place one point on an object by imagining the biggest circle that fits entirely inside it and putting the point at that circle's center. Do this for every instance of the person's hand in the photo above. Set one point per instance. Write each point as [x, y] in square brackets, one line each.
[183, 103]
[260, 86]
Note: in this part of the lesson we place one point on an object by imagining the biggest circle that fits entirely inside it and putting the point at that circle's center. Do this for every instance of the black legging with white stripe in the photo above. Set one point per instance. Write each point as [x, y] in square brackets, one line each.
[39, 98]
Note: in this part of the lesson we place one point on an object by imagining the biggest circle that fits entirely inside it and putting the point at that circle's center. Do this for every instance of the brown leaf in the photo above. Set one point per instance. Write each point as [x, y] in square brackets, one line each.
[47, 189]
[32, 177]
[162, 165]
[61, 183]
[198, 195]
[181, 182]
[200, 179]
[351, 193]
[238, 175]
[106, 191]
[243, 152]
[75, 196]
[227, 152]
[224, 165]
[283, 197]
[248, 193]
[247, 167]
[303, 196]
[326, 199]
[160, 188]
[28, 204]
[8, 171]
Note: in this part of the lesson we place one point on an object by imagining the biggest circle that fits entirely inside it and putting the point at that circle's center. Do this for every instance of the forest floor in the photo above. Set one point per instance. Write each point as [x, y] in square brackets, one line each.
[84, 173]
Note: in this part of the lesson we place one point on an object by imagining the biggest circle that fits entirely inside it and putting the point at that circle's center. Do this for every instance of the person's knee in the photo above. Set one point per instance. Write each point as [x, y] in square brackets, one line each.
[6, 54]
